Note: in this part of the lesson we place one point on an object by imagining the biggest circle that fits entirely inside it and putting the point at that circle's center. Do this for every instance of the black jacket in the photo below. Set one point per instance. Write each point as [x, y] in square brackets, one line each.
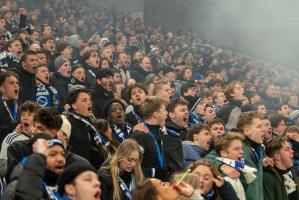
[225, 192]
[172, 151]
[99, 99]
[174, 127]
[90, 74]
[107, 184]
[60, 83]
[270, 103]
[20, 149]
[7, 125]
[134, 117]
[27, 84]
[81, 142]
[139, 75]
[225, 112]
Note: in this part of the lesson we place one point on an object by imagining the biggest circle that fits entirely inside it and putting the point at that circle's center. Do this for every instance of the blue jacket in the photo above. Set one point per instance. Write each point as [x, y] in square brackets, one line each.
[191, 152]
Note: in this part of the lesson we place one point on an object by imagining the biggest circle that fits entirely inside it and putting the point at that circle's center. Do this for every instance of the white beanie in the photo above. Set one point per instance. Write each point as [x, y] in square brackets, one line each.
[66, 126]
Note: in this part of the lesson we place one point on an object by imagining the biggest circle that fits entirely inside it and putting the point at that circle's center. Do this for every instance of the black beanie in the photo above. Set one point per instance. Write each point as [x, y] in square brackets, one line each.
[71, 172]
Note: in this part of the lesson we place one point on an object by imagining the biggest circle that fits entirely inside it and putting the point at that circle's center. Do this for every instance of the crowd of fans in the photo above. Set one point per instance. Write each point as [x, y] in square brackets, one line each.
[97, 105]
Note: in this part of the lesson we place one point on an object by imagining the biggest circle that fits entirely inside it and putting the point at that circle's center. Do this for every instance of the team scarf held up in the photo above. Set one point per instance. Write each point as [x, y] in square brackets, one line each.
[46, 96]
[249, 172]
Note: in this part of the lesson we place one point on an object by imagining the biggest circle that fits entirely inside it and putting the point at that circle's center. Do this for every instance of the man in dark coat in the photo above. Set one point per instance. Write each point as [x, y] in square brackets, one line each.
[91, 60]
[162, 150]
[102, 92]
[26, 75]
[143, 70]
[9, 88]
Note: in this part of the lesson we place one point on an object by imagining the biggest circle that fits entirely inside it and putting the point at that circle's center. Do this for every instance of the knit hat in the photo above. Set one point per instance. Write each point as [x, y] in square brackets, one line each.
[71, 172]
[59, 61]
[193, 102]
[61, 46]
[73, 39]
[54, 142]
[294, 114]
[102, 73]
[149, 78]
[66, 126]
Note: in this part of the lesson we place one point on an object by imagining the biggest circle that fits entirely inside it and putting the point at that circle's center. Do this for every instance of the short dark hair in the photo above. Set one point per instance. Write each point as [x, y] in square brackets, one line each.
[195, 130]
[86, 55]
[131, 87]
[5, 75]
[275, 119]
[216, 121]
[29, 106]
[175, 102]
[26, 54]
[274, 145]
[73, 95]
[49, 118]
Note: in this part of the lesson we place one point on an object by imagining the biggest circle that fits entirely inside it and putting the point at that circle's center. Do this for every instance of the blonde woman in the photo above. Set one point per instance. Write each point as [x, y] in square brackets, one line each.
[121, 175]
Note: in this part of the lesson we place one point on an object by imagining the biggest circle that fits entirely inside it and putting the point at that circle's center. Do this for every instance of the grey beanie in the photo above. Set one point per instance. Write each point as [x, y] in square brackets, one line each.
[59, 61]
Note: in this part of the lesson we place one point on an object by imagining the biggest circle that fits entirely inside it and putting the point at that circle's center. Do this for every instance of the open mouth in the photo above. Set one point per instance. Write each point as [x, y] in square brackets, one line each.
[82, 79]
[47, 78]
[97, 195]
[26, 125]
[97, 62]
[68, 72]
[16, 91]
[59, 169]
[186, 119]
[89, 109]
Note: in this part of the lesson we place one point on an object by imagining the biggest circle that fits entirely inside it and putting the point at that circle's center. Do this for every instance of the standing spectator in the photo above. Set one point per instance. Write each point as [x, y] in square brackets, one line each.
[144, 69]
[91, 63]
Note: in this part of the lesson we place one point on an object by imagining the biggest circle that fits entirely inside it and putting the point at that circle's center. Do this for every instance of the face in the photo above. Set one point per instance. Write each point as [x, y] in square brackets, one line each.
[208, 100]
[209, 114]
[166, 192]
[216, 87]
[146, 64]
[205, 177]
[238, 93]
[47, 31]
[79, 74]
[65, 69]
[40, 128]
[56, 159]
[138, 96]
[171, 76]
[16, 48]
[24, 36]
[93, 60]
[216, 130]
[255, 131]
[83, 104]
[220, 98]
[27, 122]
[49, 45]
[10, 88]
[2, 24]
[191, 92]
[262, 109]
[117, 77]
[280, 128]
[161, 115]
[293, 100]
[41, 59]
[200, 108]
[270, 91]
[165, 92]
[35, 36]
[234, 151]
[104, 64]
[35, 47]
[122, 59]
[116, 114]
[128, 163]
[188, 74]
[42, 74]
[106, 83]
[285, 156]
[86, 186]
[203, 139]
[267, 129]
[30, 63]
[180, 115]
[67, 52]
[284, 110]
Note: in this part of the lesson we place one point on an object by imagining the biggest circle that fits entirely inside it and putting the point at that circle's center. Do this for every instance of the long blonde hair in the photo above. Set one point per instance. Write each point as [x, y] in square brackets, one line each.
[123, 151]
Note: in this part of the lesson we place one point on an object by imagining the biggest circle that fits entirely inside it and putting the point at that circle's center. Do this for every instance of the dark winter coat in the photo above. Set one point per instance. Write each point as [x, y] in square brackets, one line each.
[139, 75]
[192, 152]
[230, 114]
[100, 97]
[60, 83]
